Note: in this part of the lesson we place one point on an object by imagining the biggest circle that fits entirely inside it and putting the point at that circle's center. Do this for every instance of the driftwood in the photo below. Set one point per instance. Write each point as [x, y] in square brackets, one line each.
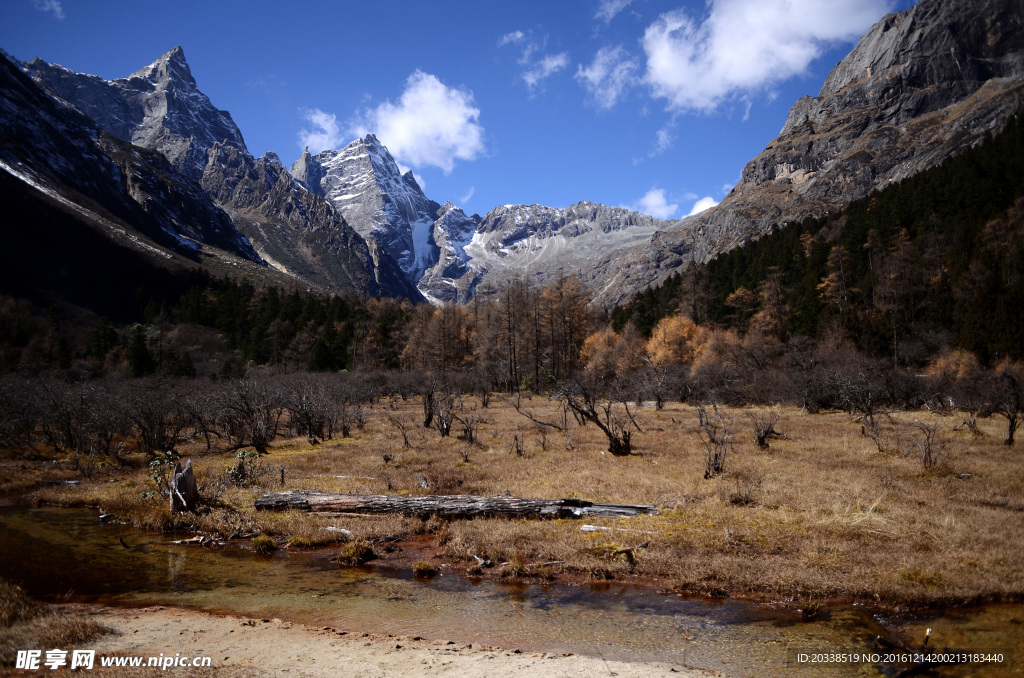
[447, 506]
[184, 490]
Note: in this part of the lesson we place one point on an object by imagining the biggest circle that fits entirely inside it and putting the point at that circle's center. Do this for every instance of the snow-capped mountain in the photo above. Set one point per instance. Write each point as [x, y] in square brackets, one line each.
[448, 254]
[541, 243]
[296, 231]
[366, 186]
[158, 107]
[451, 278]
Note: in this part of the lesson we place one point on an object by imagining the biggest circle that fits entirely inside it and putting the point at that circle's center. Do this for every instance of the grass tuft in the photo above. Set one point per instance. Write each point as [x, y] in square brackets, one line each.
[356, 553]
[264, 544]
[423, 569]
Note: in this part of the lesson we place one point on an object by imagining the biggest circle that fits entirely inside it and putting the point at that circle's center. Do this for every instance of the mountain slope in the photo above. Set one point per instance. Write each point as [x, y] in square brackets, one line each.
[158, 107]
[904, 273]
[44, 142]
[919, 87]
[161, 109]
[542, 244]
[296, 231]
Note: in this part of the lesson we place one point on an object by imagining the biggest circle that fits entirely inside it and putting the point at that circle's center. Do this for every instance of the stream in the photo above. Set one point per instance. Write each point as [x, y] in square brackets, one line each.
[62, 555]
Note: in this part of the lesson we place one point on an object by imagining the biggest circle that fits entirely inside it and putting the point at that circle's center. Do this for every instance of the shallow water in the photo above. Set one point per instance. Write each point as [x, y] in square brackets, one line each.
[61, 554]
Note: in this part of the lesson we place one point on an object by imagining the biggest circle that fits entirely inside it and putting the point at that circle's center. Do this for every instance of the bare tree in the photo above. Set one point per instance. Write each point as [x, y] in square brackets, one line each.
[310, 406]
[517, 402]
[444, 409]
[1007, 396]
[201, 409]
[401, 424]
[470, 421]
[929, 443]
[609, 414]
[347, 397]
[19, 414]
[428, 389]
[82, 421]
[155, 411]
[713, 431]
[764, 426]
[251, 411]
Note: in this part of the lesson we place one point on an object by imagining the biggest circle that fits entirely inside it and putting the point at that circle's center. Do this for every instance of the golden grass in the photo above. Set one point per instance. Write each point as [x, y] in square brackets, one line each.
[821, 513]
[25, 623]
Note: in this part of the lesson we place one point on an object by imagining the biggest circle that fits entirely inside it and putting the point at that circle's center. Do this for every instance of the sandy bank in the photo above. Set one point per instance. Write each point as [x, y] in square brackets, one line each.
[271, 647]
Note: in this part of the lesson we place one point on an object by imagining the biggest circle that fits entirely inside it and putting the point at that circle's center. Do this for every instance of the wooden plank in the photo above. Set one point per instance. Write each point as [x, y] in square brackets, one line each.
[447, 506]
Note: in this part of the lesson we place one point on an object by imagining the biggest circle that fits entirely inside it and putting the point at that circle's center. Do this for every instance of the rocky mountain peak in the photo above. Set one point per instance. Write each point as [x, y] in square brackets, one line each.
[364, 183]
[170, 68]
[271, 158]
[159, 107]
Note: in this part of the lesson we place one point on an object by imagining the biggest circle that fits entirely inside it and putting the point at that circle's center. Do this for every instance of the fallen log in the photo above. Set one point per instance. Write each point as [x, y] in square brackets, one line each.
[447, 506]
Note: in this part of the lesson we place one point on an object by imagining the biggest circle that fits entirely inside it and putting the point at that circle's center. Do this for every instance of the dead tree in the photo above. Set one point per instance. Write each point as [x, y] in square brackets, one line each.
[444, 412]
[183, 489]
[929, 443]
[764, 427]
[469, 422]
[714, 434]
[517, 402]
[401, 424]
[605, 413]
[428, 389]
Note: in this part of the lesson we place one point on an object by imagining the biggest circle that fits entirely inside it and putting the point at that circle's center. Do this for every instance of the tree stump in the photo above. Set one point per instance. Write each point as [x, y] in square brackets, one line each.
[184, 490]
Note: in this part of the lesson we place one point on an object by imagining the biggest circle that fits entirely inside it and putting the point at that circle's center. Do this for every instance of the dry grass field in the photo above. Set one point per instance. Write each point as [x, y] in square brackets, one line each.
[825, 513]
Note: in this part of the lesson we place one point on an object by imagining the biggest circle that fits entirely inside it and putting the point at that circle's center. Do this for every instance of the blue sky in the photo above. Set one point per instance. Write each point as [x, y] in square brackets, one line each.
[650, 104]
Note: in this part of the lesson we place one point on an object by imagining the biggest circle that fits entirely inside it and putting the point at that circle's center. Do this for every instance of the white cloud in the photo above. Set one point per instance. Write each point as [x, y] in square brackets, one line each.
[535, 70]
[432, 125]
[745, 46]
[323, 132]
[469, 194]
[547, 66]
[609, 8]
[513, 37]
[702, 204]
[50, 6]
[609, 74]
[663, 140]
[655, 204]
